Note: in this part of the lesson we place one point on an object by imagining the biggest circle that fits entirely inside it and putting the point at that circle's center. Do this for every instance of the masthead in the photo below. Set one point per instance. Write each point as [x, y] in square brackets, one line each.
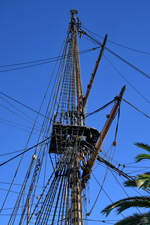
[73, 12]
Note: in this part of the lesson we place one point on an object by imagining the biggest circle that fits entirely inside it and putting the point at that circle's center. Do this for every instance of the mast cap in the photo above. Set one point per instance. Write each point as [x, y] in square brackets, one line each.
[73, 12]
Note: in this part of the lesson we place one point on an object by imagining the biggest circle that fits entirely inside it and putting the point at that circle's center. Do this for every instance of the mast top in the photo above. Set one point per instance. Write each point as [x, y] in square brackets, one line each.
[73, 12]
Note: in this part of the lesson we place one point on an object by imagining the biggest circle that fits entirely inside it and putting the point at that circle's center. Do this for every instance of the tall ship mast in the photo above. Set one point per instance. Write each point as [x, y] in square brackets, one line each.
[73, 146]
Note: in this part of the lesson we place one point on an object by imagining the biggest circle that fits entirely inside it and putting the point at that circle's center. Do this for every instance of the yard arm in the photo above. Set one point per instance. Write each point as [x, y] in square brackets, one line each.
[89, 87]
[90, 163]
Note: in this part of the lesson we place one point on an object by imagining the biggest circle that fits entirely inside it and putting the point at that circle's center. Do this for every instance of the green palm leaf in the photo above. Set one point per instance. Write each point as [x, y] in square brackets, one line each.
[143, 146]
[142, 157]
[141, 181]
[143, 219]
[126, 203]
[130, 183]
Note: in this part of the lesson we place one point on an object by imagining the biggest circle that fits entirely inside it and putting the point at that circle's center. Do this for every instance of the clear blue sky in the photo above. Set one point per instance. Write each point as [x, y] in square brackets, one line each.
[32, 30]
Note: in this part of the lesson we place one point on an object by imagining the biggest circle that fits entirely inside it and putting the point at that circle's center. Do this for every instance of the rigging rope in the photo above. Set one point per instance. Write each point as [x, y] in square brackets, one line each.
[12, 218]
[22, 116]
[94, 204]
[124, 78]
[15, 125]
[99, 109]
[122, 187]
[20, 103]
[118, 44]
[30, 62]
[128, 63]
[55, 187]
[41, 62]
[27, 150]
[118, 56]
[137, 109]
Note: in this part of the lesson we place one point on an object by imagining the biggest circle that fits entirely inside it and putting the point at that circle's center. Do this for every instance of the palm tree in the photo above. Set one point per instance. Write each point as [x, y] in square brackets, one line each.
[127, 203]
[141, 181]
[136, 219]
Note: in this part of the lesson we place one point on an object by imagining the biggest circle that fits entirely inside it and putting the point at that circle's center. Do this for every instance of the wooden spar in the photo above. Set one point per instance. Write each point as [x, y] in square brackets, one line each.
[76, 205]
[79, 88]
[76, 202]
[89, 87]
[90, 163]
[28, 212]
[76, 57]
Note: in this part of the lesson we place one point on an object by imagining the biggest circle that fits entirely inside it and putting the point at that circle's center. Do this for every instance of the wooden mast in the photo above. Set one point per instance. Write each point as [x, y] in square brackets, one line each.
[78, 183]
[74, 31]
[76, 202]
[61, 197]
[28, 212]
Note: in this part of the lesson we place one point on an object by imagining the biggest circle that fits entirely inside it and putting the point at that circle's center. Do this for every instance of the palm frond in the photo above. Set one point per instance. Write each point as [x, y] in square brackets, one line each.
[142, 157]
[130, 183]
[146, 184]
[143, 146]
[126, 203]
[134, 203]
[143, 219]
[141, 181]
